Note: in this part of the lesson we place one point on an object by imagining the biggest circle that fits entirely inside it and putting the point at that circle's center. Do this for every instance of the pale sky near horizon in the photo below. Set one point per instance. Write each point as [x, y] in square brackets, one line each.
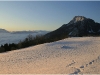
[44, 15]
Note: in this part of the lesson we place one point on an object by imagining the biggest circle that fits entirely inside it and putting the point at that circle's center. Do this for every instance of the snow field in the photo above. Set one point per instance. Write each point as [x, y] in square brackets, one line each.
[77, 55]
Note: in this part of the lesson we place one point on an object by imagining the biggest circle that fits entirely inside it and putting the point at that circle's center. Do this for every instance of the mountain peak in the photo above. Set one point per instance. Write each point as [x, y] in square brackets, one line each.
[77, 18]
[78, 26]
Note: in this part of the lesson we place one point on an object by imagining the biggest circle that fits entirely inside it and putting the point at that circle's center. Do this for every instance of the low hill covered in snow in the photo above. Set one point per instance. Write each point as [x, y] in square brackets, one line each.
[68, 56]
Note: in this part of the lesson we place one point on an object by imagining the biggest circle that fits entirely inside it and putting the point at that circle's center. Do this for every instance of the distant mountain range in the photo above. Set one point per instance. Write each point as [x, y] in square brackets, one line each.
[78, 26]
[3, 31]
[22, 32]
[36, 31]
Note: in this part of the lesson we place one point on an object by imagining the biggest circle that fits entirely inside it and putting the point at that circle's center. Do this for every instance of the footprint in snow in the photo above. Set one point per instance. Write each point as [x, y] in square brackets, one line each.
[76, 71]
[81, 66]
[73, 62]
[98, 57]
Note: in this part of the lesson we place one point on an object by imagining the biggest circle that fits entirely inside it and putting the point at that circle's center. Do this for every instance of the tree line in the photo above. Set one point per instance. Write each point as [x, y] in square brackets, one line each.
[28, 41]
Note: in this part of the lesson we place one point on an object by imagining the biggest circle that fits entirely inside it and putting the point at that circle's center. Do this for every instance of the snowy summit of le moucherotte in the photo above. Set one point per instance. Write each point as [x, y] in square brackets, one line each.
[77, 18]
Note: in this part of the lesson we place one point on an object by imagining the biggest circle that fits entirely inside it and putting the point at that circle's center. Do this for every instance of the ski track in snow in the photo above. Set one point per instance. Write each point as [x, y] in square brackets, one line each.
[77, 55]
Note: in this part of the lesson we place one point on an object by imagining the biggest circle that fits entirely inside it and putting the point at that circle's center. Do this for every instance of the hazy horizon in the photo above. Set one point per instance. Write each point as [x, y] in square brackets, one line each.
[44, 15]
[23, 30]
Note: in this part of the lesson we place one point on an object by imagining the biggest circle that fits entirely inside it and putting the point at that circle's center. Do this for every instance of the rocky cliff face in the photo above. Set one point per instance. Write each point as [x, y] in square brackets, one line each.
[78, 26]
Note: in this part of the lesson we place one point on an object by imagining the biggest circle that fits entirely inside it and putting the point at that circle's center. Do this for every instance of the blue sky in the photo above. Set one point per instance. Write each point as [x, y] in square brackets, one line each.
[44, 15]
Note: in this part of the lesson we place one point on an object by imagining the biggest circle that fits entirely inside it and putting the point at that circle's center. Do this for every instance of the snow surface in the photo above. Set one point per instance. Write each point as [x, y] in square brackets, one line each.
[69, 56]
[16, 37]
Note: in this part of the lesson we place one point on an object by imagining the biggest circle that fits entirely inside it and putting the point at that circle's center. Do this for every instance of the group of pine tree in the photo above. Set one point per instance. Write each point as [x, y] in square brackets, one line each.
[29, 41]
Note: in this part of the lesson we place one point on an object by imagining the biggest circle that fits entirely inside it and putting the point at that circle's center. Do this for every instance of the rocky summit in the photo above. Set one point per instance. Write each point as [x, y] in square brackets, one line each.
[77, 18]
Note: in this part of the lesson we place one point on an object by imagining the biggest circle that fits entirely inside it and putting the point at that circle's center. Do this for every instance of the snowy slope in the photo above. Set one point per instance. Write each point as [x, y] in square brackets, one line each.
[71, 55]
